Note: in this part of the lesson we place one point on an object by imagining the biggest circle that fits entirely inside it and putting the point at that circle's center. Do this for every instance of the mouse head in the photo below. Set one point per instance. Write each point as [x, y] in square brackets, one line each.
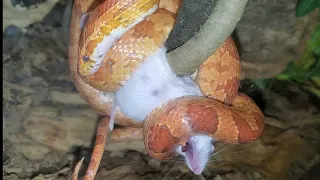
[197, 152]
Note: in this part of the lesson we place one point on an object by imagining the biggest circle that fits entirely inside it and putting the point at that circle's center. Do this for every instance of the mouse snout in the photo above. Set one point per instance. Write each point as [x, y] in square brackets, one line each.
[196, 166]
[197, 152]
[198, 170]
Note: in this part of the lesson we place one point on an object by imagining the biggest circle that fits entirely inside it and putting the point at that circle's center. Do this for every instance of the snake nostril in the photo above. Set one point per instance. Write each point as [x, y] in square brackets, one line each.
[85, 58]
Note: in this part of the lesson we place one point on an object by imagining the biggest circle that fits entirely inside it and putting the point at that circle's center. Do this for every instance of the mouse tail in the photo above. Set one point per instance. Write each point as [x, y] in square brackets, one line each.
[113, 114]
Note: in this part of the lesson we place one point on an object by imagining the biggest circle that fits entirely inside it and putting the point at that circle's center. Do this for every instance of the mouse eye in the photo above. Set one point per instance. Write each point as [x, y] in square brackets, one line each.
[185, 148]
[212, 142]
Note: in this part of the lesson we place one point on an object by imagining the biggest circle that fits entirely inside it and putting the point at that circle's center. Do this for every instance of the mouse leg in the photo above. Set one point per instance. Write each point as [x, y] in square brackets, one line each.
[113, 114]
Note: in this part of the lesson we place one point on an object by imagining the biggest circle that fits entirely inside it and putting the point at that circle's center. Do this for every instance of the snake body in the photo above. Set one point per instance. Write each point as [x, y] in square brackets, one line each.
[136, 29]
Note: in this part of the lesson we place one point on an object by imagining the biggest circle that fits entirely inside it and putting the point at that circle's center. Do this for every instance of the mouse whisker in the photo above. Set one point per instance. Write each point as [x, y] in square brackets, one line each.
[217, 152]
[180, 162]
[222, 146]
[234, 152]
[179, 158]
[216, 158]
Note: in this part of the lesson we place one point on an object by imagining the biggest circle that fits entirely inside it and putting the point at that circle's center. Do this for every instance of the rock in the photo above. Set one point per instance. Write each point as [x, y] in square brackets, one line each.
[268, 37]
[12, 31]
[67, 98]
[23, 13]
[59, 132]
[154, 164]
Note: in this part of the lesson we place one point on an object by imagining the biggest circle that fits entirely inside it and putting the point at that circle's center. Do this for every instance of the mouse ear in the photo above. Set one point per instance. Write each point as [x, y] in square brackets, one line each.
[173, 123]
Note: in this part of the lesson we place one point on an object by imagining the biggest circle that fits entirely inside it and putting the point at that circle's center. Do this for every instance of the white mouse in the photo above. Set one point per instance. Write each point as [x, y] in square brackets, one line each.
[152, 84]
[197, 152]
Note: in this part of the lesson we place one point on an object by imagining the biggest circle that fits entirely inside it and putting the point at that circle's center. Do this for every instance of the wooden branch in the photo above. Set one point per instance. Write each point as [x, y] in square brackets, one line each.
[221, 23]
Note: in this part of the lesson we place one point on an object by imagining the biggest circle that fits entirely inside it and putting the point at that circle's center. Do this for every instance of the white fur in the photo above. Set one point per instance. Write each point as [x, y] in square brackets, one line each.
[154, 76]
[84, 18]
[201, 149]
[102, 48]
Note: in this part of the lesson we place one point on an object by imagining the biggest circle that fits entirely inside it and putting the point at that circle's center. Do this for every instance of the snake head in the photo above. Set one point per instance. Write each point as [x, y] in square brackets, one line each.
[105, 25]
[90, 58]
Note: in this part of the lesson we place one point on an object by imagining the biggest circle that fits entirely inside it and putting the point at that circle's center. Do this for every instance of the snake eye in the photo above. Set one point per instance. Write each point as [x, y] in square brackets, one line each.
[85, 58]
